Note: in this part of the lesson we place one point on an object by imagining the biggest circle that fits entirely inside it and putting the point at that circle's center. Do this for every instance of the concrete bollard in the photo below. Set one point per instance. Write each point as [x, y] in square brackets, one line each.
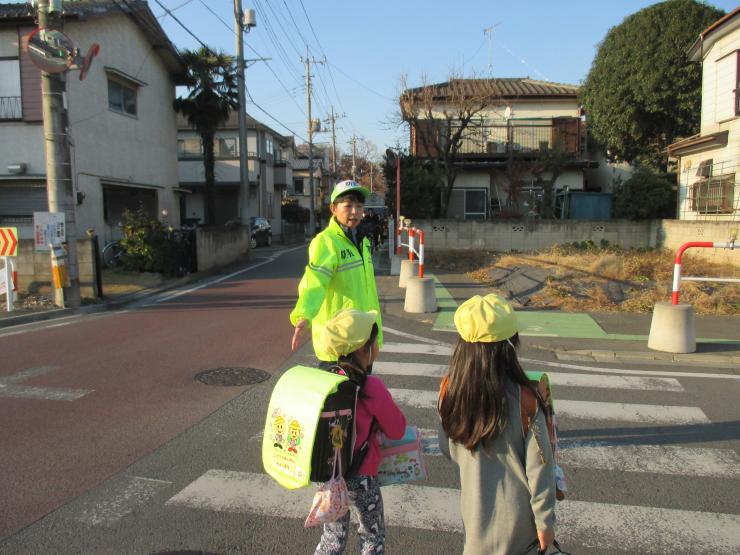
[672, 329]
[409, 269]
[396, 264]
[420, 295]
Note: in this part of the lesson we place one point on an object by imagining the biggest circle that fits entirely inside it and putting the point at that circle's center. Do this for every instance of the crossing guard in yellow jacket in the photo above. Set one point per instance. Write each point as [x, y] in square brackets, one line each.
[340, 271]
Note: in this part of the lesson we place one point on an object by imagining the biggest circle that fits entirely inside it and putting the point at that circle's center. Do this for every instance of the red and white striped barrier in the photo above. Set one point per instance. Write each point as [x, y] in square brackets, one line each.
[677, 266]
[412, 233]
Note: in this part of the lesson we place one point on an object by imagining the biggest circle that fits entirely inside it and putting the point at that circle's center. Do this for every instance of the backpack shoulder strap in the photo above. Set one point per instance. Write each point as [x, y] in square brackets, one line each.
[527, 407]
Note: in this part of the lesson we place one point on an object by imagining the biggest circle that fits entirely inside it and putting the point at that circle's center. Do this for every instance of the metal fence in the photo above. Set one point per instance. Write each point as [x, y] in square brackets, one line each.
[523, 138]
[710, 191]
[10, 108]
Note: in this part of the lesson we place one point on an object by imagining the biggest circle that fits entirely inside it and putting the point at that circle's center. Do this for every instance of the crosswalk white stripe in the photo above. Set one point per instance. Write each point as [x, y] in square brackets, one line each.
[417, 349]
[433, 508]
[557, 378]
[654, 459]
[591, 410]
[440, 349]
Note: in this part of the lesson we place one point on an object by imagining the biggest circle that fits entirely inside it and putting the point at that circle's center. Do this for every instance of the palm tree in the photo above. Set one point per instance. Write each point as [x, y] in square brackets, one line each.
[211, 80]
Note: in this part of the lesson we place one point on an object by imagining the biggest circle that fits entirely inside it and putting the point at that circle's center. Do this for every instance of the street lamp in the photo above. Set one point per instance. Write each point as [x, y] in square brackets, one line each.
[390, 156]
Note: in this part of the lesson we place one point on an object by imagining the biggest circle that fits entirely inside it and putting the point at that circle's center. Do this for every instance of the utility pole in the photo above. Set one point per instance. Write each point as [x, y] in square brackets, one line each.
[333, 120]
[311, 125]
[241, 20]
[371, 177]
[354, 148]
[58, 169]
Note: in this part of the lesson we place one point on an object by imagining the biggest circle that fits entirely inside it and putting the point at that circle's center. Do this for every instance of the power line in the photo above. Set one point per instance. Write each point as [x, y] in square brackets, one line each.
[348, 76]
[269, 115]
[288, 36]
[181, 24]
[295, 24]
[175, 8]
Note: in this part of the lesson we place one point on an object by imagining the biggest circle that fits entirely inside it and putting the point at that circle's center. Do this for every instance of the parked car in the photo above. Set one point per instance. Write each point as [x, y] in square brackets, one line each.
[261, 232]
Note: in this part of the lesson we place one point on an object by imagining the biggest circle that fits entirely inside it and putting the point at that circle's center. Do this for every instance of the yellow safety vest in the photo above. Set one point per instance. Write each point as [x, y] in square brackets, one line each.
[336, 277]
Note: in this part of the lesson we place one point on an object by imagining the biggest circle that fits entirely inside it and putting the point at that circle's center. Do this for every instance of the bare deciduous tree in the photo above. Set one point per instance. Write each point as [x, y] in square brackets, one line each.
[441, 118]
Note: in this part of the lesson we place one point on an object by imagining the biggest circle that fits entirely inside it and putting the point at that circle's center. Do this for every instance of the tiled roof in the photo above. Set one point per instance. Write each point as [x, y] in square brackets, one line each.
[508, 87]
[78, 8]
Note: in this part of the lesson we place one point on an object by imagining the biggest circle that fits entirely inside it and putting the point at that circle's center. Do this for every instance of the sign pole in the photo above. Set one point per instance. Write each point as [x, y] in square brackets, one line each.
[8, 278]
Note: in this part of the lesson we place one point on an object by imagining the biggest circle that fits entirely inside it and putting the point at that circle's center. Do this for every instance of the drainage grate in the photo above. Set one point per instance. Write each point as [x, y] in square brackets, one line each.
[232, 375]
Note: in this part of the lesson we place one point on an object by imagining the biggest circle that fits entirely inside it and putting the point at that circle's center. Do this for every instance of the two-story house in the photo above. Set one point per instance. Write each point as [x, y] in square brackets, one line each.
[269, 162]
[708, 162]
[301, 189]
[524, 136]
[122, 128]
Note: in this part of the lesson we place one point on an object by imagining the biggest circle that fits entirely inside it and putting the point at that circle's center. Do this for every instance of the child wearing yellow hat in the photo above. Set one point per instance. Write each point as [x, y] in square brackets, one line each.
[507, 479]
[351, 338]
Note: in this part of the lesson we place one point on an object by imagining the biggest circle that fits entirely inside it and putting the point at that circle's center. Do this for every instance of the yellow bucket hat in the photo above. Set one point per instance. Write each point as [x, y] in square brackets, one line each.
[346, 331]
[486, 319]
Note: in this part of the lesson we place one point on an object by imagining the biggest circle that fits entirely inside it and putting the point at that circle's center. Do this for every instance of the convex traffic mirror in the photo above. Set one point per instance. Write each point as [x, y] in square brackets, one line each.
[50, 50]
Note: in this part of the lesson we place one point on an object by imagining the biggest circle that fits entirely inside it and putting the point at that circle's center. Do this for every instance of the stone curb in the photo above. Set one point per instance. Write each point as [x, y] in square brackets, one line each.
[645, 357]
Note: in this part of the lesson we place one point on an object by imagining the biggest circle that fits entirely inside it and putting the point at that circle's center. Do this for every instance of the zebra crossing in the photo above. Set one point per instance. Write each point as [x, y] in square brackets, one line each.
[582, 524]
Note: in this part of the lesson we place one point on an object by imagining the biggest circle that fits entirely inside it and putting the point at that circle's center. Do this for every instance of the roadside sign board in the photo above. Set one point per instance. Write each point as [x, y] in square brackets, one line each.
[8, 241]
[48, 228]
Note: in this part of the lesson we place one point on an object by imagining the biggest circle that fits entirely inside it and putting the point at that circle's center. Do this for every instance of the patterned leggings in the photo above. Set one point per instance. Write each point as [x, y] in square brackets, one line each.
[367, 504]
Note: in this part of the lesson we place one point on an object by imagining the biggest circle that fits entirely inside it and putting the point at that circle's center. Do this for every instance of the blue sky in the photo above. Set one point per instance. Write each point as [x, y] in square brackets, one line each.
[369, 45]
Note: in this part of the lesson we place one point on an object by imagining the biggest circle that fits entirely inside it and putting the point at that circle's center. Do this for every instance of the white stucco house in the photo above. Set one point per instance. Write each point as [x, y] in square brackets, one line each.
[123, 132]
[269, 161]
[707, 162]
[515, 121]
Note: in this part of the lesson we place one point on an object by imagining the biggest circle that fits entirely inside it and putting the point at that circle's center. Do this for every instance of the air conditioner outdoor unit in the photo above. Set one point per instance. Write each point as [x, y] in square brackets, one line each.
[17, 168]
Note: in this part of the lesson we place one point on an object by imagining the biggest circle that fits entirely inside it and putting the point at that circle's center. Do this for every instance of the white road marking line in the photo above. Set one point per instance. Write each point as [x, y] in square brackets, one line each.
[629, 372]
[589, 410]
[171, 296]
[412, 336]
[416, 349]
[655, 459]
[43, 393]
[433, 508]
[27, 374]
[133, 494]
[443, 349]
[557, 378]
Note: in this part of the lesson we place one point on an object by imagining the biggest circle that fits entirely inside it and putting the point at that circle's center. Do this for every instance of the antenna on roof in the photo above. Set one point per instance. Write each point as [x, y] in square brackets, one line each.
[488, 32]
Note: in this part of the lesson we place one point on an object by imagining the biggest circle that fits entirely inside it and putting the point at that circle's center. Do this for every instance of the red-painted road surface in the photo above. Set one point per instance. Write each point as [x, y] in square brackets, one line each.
[140, 367]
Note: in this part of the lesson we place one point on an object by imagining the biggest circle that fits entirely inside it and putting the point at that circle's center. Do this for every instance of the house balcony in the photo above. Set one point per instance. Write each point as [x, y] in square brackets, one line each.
[526, 139]
[282, 174]
[11, 108]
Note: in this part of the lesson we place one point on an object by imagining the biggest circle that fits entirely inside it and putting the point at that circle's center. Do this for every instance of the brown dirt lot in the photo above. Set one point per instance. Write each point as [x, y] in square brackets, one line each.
[583, 277]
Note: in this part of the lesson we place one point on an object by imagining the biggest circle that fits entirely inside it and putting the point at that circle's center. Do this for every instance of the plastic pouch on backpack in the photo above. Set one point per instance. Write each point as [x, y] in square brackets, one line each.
[402, 459]
[331, 501]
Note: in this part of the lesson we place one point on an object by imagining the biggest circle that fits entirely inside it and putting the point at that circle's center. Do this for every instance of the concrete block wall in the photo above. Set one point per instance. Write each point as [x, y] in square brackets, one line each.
[34, 268]
[671, 234]
[522, 235]
[219, 247]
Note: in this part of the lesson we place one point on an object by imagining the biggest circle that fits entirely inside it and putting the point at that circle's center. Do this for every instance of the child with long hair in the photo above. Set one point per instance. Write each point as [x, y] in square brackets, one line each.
[351, 338]
[507, 479]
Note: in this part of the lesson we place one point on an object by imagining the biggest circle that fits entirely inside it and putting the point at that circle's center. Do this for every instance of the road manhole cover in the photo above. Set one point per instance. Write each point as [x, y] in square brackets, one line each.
[232, 375]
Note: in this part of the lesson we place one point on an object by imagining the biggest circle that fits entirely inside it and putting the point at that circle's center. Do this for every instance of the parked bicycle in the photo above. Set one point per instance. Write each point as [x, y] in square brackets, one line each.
[111, 254]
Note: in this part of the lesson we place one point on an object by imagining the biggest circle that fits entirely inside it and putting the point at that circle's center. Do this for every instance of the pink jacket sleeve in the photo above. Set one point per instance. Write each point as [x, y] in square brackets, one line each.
[379, 401]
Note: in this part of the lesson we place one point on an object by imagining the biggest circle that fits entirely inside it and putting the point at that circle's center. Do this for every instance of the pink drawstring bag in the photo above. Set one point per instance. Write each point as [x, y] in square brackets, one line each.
[330, 502]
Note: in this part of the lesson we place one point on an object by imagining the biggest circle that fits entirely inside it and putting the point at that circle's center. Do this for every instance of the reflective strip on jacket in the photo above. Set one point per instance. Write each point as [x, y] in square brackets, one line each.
[336, 277]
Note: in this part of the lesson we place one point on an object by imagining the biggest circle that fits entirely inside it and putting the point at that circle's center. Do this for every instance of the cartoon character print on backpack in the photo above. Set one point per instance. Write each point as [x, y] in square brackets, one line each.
[294, 436]
[287, 435]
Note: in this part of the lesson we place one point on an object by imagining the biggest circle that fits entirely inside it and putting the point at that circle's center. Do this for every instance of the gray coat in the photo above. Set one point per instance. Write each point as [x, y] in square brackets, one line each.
[507, 490]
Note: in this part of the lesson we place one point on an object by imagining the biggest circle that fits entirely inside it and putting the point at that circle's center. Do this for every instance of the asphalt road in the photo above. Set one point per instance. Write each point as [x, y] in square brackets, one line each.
[151, 462]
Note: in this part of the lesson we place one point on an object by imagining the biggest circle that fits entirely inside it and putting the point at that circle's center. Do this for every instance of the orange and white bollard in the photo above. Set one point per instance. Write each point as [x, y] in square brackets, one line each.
[421, 253]
[411, 243]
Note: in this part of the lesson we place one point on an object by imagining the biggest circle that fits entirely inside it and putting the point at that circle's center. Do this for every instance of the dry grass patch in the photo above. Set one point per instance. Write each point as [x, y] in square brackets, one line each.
[584, 277]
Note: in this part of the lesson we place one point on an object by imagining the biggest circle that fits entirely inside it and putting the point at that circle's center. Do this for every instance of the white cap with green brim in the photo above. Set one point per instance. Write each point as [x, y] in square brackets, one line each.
[348, 186]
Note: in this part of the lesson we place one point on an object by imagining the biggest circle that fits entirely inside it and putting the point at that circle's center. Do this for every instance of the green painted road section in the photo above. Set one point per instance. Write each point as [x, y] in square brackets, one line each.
[545, 323]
